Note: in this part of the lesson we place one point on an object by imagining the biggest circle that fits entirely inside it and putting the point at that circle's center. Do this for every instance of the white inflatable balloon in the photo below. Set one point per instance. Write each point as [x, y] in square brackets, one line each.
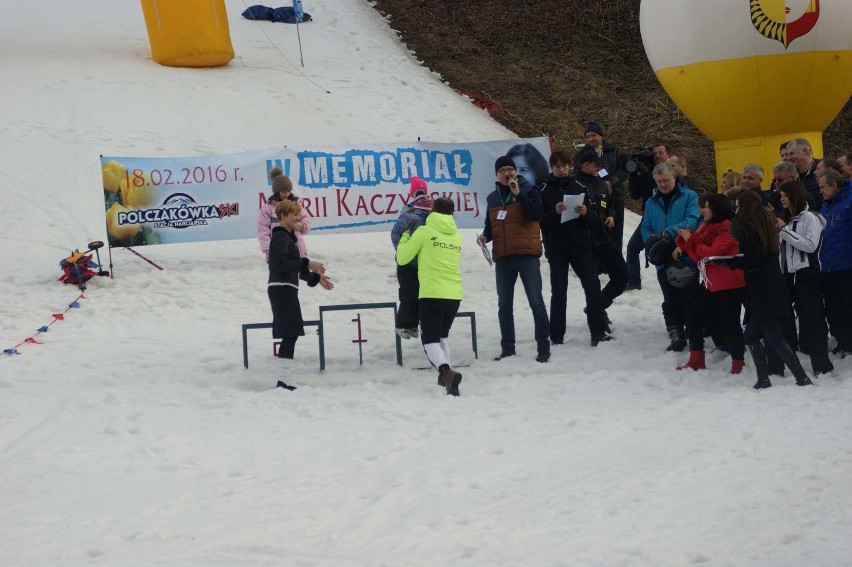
[752, 74]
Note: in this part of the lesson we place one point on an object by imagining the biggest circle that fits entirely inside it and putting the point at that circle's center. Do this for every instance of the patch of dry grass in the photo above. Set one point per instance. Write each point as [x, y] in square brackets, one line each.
[559, 64]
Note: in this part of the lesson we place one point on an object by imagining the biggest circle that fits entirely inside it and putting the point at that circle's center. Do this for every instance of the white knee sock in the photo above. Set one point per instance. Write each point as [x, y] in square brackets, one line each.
[435, 355]
[445, 346]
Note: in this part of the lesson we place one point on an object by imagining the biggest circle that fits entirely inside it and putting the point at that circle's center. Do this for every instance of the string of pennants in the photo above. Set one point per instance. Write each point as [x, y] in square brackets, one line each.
[44, 328]
[78, 268]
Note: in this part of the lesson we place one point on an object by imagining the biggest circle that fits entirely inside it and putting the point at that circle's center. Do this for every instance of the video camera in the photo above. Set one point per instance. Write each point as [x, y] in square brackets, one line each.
[641, 161]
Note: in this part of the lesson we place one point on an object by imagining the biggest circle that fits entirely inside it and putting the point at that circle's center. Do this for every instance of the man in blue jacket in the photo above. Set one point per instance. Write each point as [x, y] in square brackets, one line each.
[671, 207]
[835, 256]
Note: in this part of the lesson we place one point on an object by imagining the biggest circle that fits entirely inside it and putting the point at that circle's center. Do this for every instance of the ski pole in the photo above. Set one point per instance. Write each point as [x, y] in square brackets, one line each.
[143, 257]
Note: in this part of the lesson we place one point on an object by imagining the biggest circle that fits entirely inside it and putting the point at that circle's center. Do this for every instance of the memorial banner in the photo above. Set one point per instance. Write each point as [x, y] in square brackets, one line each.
[342, 189]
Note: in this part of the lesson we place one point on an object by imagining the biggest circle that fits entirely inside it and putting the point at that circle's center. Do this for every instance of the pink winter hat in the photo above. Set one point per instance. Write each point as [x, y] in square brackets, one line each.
[417, 186]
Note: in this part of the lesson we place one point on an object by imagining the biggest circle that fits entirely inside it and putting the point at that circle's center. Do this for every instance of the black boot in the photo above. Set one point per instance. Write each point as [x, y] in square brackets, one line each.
[678, 339]
[758, 355]
[606, 319]
[506, 354]
[821, 364]
[791, 361]
[774, 364]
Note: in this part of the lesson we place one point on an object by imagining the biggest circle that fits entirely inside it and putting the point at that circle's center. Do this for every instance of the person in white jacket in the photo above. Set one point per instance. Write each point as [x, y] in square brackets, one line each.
[800, 231]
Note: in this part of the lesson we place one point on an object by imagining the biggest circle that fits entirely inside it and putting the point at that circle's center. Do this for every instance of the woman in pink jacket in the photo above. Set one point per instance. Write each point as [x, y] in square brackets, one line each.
[282, 190]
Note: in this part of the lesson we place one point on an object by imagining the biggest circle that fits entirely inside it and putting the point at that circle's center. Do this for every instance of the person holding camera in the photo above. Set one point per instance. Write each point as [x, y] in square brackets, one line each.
[672, 207]
[512, 223]
[641, 185]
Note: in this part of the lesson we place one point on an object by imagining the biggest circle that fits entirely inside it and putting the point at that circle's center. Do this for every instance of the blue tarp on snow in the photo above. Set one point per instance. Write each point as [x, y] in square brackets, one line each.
[283, 15]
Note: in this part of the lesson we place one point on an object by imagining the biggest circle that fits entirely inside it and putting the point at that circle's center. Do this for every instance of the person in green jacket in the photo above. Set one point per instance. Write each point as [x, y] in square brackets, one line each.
[437, 246]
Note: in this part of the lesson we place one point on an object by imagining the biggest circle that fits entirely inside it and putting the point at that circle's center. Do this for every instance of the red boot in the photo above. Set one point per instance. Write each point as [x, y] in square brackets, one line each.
[736, 366]
[696, 361]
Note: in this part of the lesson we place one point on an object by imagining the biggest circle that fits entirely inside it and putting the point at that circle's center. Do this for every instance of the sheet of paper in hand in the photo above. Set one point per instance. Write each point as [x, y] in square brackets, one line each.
[571, 202]
[484, 250]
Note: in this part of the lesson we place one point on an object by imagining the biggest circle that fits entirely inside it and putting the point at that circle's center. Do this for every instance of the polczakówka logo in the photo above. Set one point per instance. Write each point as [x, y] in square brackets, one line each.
[178, 210]
[769, 17]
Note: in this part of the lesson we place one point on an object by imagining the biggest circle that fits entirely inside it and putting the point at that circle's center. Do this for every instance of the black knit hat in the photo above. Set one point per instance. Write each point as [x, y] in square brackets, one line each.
[503, 161]
[595, 127]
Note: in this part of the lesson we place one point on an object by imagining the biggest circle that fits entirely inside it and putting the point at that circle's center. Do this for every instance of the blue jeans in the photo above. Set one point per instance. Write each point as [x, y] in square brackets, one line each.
[508, 268]
[634, 248]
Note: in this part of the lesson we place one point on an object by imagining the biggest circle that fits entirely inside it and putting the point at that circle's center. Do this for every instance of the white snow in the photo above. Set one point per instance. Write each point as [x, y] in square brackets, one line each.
[134, 436]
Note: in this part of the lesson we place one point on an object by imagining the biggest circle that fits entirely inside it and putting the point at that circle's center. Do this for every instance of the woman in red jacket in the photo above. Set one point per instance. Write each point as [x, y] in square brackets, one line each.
[724, 288]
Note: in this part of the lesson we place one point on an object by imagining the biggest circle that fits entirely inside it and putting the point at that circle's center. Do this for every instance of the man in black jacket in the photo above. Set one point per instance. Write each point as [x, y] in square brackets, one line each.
[612, 171]
[800, 154]
[607, 255]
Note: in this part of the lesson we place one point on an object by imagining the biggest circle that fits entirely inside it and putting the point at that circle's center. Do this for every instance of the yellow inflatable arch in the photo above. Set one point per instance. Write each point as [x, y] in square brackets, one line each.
[188, 33]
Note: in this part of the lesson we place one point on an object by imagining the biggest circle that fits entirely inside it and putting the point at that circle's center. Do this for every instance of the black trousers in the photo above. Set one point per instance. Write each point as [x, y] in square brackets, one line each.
[677, 302]
[436, 318]
[585, 269]
[617, 230]
[286, 311]
[721, 308]
[805, 288]
[287, 323]
[838, 306]
[609, 257]
[287, 348]
[769, 331]
[409, 288]
[635, 247]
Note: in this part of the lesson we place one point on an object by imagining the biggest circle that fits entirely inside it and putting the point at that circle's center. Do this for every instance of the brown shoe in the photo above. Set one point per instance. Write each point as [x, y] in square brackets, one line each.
[450, 379]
